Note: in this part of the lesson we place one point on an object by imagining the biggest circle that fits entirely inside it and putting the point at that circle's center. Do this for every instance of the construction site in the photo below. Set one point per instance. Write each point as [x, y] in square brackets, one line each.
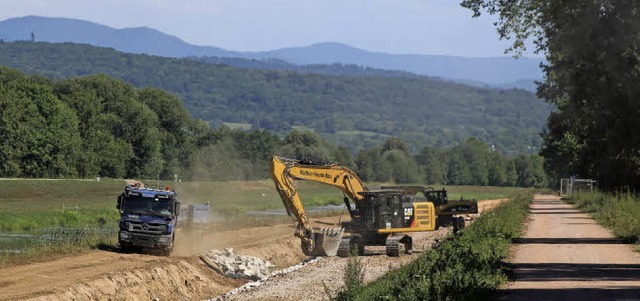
[307, 257]
[205, 266]
[320, 150]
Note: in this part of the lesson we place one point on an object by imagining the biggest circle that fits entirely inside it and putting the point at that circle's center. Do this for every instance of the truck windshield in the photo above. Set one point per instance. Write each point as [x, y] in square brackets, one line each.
[148, 205]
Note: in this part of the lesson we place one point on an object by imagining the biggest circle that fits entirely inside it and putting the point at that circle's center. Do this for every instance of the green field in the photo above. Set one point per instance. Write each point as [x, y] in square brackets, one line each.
[28, 196]
[302, 128]
[363, 133]
[238, 126]
[479, 192]
[33, 204]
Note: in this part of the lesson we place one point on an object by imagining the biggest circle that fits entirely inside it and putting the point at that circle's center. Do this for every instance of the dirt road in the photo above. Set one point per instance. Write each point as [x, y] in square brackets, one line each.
[117, 276]
[108, 275]
[566, 255]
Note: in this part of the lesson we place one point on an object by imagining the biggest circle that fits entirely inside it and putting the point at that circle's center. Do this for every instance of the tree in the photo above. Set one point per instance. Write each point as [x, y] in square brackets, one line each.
[343, 157]
[305, 145]
[123, 131]
[475, 154]
[530, 172]
[458, 172]
[177, 129]
[401, 165]
[218, 162]
[593, 53]
[38, 133]
[394, 143]
[497, 174]
[256, 148]
[371, 167]
[433, 164]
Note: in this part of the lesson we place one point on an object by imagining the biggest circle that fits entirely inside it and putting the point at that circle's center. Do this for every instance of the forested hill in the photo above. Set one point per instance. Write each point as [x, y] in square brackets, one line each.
[496, 71]
[328, 69]
[358, 111]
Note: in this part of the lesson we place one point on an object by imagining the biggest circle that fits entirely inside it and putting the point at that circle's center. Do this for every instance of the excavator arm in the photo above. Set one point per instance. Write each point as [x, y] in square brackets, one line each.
[285, 171]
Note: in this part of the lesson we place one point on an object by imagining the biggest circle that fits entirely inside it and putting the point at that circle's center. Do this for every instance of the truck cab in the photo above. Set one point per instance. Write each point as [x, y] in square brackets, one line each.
[148, 218]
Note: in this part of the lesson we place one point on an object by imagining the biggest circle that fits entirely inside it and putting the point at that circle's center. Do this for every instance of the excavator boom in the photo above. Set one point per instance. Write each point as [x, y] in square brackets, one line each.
[285, 171]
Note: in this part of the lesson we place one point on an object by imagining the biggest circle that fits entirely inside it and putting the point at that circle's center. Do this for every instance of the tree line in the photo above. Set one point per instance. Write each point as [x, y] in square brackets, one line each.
[243, 155]
[101, 126]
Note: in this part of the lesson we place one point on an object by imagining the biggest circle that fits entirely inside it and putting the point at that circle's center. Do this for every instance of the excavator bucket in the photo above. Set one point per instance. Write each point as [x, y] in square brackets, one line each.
[327, 241]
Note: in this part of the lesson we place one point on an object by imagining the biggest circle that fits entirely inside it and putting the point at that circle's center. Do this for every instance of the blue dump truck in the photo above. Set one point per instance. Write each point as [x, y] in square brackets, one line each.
[148, 218]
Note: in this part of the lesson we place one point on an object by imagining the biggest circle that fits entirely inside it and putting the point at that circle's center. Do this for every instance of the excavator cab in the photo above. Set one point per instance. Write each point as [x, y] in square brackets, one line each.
[438, 197]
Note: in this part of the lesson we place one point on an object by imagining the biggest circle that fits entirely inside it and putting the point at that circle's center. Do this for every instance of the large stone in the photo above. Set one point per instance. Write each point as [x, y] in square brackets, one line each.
[236, 266]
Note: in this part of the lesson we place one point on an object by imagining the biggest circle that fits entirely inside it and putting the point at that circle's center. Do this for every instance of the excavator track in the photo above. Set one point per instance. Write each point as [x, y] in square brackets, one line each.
[349, 244]
[397, 245]
[344, 249]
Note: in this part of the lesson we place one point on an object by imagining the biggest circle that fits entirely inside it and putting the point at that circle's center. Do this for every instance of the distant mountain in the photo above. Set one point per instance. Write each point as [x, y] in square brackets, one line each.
[498, 71]
[494, 71]
[134, 40]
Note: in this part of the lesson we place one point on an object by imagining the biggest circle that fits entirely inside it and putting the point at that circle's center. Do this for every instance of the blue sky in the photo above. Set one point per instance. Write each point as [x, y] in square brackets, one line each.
[394, 26]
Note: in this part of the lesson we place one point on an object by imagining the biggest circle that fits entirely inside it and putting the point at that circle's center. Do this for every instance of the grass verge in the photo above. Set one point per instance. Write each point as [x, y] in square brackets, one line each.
[468, 265]
[620, 212]
[59, 242]
[81, 217]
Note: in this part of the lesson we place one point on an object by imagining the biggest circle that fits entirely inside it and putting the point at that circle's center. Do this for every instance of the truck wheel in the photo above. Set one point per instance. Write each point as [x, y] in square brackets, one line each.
[125, 248]
[167, 251]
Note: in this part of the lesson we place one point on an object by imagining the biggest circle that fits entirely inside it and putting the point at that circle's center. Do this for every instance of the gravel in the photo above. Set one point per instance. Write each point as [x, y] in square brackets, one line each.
[316, 279]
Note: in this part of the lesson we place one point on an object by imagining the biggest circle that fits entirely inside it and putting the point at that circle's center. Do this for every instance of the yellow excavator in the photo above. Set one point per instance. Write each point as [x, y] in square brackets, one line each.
[379, 216]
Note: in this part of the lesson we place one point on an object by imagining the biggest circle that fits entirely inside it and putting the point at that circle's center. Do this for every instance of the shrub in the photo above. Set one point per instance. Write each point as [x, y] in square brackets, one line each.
[353, 278]
[619, 211]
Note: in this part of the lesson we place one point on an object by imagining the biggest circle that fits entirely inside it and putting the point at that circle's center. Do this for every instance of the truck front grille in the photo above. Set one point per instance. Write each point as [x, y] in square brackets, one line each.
[147, 228]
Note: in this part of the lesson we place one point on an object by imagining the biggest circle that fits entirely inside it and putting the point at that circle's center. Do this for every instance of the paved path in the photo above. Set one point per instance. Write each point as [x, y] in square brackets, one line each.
[566, 255]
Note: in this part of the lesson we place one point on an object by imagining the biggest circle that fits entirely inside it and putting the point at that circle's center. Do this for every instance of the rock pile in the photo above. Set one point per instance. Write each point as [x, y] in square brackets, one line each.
[254, 284]
[236, 266]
